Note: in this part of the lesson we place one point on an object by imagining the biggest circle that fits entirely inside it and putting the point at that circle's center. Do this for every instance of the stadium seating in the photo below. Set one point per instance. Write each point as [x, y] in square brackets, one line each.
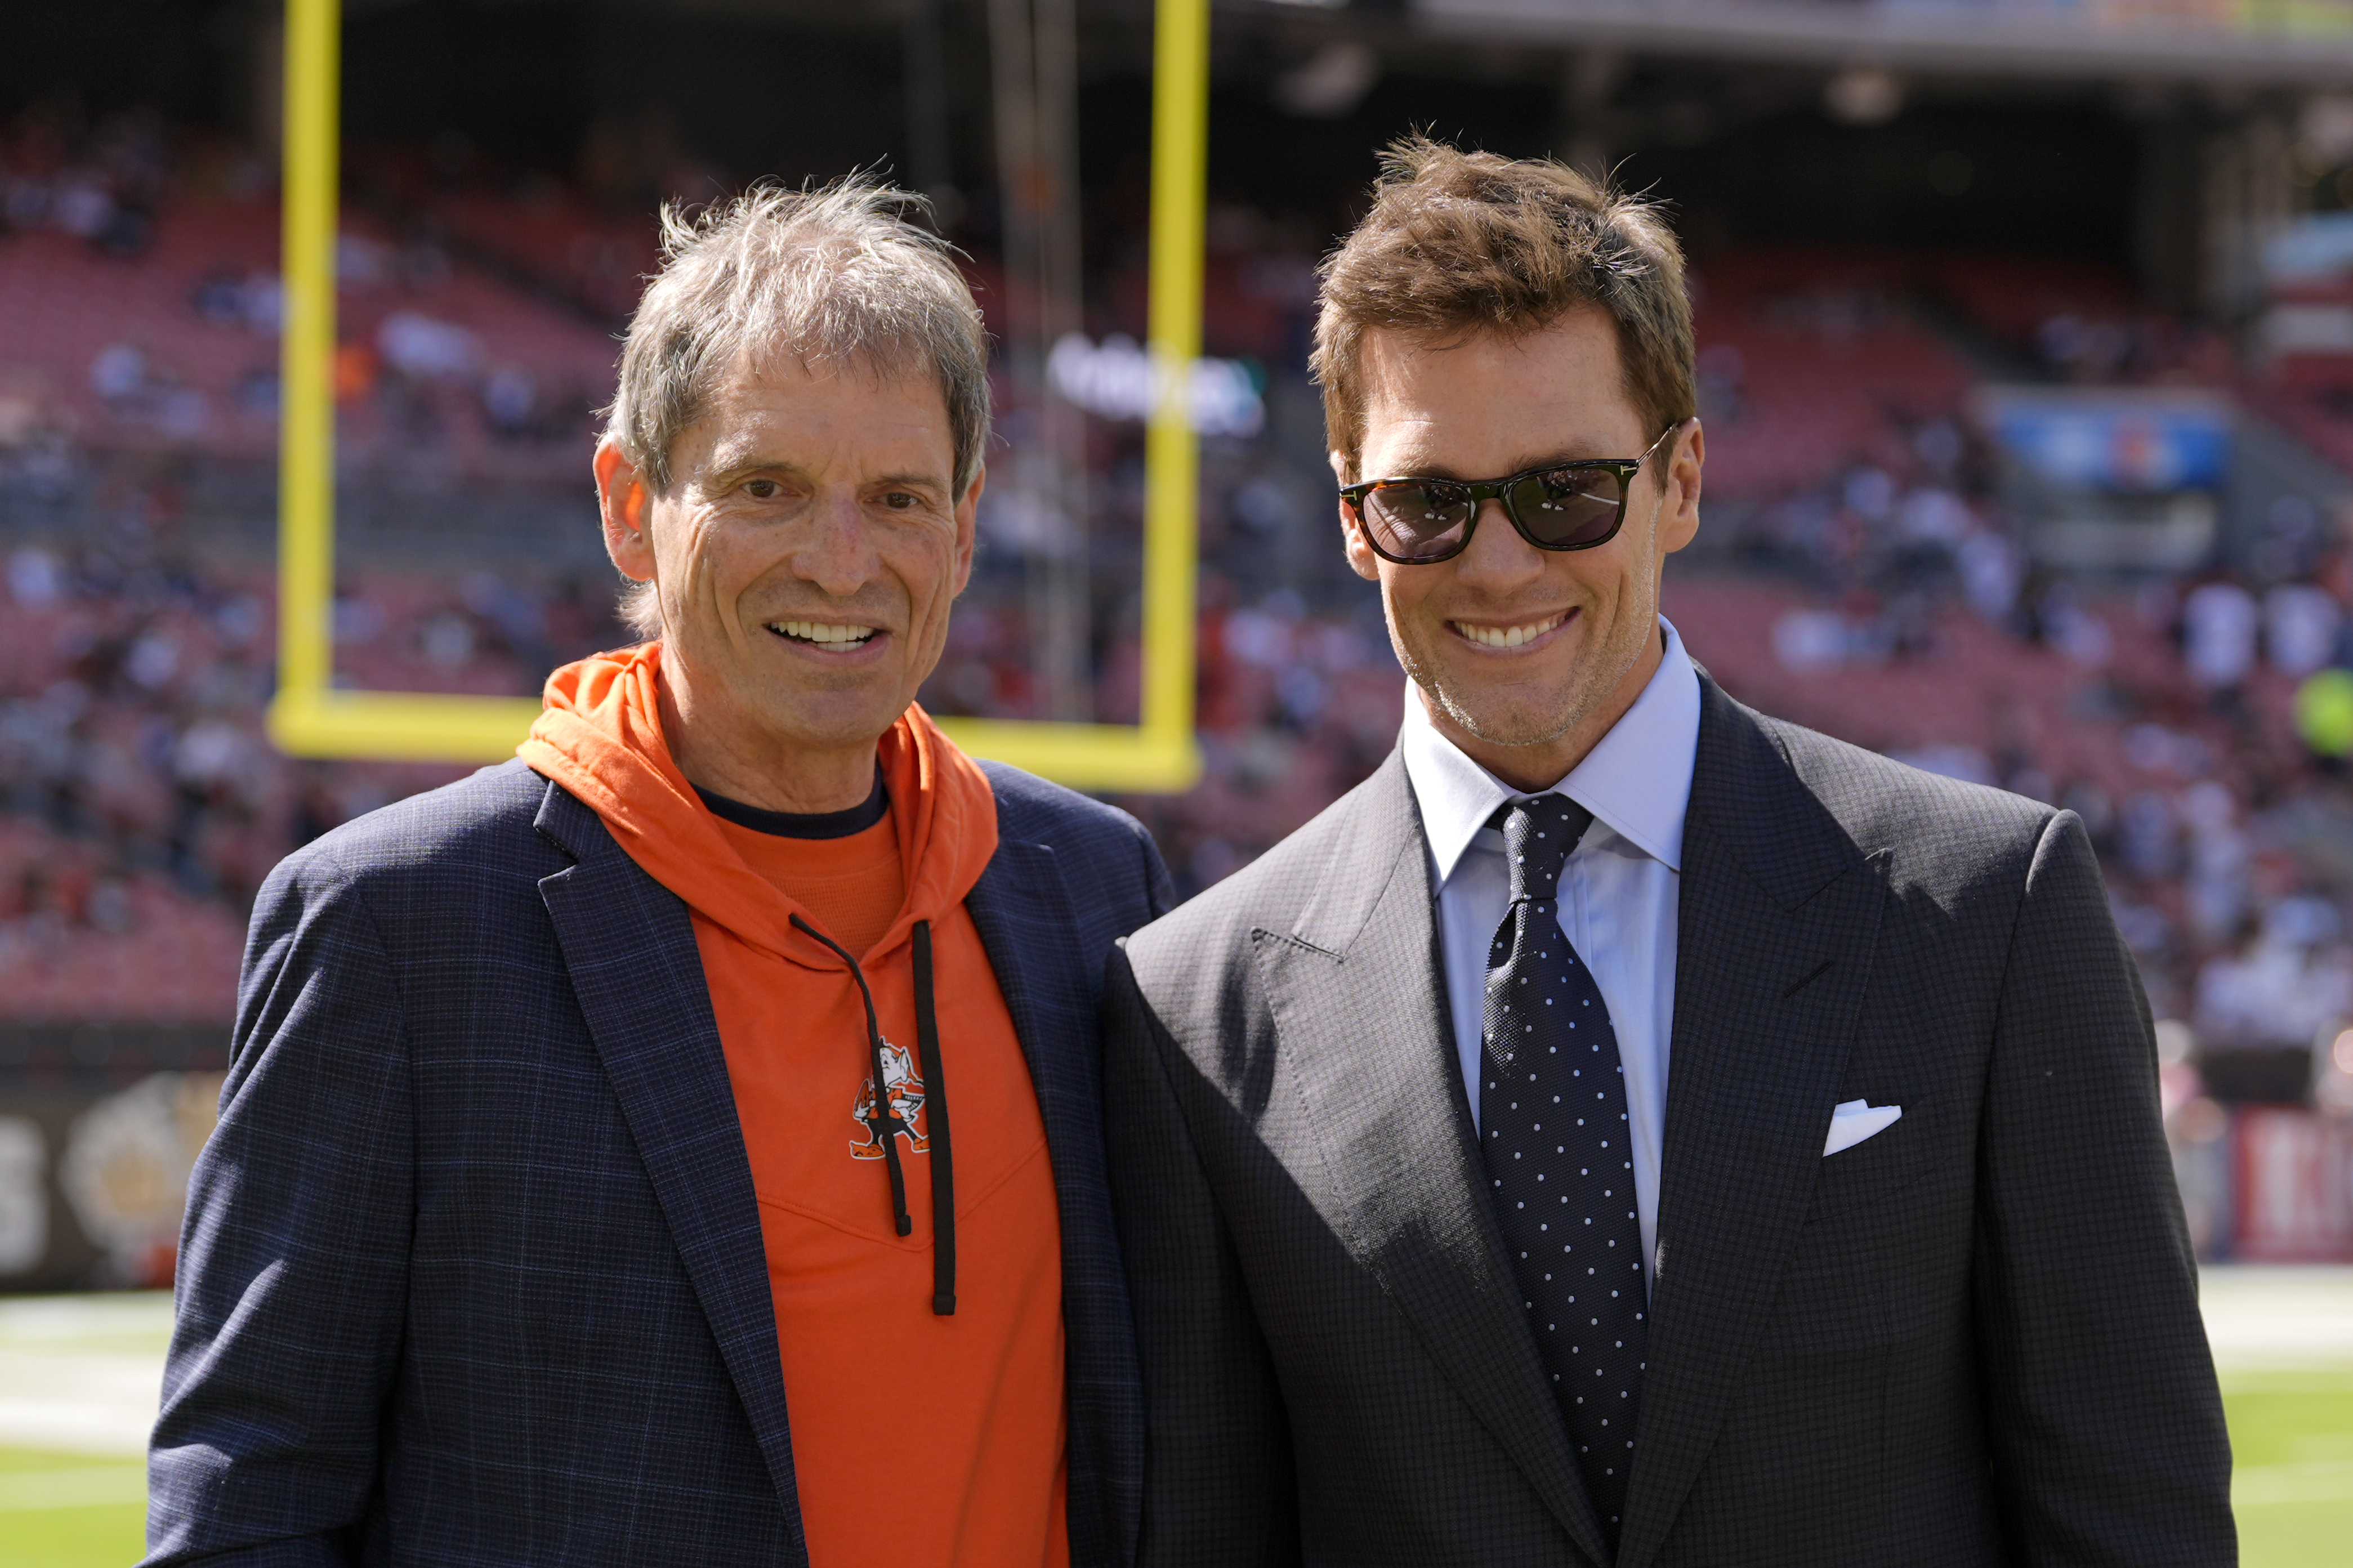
[1859, 572]
[1815, 362]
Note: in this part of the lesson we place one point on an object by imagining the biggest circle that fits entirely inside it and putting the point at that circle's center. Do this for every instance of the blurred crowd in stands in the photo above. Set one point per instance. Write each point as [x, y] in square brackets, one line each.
[139, 305]
[1864, 569]
[141, 803]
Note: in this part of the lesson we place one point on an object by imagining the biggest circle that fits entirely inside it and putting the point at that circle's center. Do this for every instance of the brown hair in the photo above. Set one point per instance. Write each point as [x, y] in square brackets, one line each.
[1459, 243]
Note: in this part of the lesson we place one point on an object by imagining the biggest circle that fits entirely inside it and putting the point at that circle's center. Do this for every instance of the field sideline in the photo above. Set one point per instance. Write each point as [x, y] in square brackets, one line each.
[78, 1379]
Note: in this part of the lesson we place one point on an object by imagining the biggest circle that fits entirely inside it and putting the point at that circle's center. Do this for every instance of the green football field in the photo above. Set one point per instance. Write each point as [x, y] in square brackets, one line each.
[2292, 1437]
[65, 1511]
[2291, 1428]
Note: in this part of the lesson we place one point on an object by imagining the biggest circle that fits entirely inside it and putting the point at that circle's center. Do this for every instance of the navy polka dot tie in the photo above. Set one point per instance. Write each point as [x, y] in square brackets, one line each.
[1553, 1129]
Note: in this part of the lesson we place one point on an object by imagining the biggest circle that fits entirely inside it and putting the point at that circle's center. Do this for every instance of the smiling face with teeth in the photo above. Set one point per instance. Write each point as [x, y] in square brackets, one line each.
[805, 557]
[1524, 658]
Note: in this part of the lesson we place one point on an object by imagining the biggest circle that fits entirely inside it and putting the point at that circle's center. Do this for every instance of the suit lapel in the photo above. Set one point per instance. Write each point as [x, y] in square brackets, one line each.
[1027, 926]
[1021, 893]
[628, 944]
[1779, 914]
[1357, 992]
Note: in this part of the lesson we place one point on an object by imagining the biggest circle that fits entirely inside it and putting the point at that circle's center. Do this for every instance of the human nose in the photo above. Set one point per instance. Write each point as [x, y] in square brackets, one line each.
[836, 555]
[1496, 556]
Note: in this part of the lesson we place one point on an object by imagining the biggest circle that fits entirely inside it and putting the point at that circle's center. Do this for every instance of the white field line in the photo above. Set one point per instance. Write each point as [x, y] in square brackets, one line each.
[132, 1318]
[2317, 1480]
[92, 1486]
[79, 1402]
[82, 1374]
[2283, 1318]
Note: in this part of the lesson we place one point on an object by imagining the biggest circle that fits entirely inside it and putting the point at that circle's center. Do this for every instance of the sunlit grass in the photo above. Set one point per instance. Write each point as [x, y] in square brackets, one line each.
[70, 1511]
[2292, 1437]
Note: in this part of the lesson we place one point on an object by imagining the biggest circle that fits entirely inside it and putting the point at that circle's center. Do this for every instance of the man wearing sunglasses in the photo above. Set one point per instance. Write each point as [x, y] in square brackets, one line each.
[1629, 1130]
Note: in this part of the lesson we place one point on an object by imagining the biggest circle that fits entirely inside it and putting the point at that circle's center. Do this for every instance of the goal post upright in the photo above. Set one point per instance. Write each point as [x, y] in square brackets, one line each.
[310, 717]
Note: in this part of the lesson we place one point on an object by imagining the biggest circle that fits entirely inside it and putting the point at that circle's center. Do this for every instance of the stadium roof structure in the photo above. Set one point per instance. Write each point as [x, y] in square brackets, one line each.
[2301, 43]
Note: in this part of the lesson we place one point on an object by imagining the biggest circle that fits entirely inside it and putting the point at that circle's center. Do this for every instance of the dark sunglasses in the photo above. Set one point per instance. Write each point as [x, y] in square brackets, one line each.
[1561, 506]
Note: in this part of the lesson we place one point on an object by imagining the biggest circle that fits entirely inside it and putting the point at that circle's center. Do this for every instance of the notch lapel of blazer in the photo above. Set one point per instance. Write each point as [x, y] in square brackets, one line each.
[1358, 994]
[628, 944]
[1779, 915]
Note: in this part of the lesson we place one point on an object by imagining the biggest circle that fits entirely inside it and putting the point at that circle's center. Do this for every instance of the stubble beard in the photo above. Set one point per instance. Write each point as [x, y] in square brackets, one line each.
[1590, 683]
[1588, 686]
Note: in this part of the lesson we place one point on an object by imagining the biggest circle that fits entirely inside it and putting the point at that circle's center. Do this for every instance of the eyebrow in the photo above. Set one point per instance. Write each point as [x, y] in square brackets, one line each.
[1440, 469]
[747, 467]
[915, 479]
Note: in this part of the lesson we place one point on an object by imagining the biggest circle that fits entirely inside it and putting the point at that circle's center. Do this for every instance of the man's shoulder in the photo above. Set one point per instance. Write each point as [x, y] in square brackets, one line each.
[1272, 891]
[1934, 828]
[479, 828]
[1039, 811]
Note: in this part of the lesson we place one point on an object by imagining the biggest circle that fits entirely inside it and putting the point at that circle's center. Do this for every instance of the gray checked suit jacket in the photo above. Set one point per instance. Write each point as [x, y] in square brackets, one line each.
[1971, 1338]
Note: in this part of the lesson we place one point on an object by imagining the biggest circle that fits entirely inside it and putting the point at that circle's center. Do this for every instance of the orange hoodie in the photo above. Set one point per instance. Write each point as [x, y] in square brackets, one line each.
[945, 1433]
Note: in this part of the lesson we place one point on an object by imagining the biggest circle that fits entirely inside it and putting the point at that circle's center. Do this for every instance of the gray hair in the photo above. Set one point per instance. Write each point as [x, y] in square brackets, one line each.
[837, 273]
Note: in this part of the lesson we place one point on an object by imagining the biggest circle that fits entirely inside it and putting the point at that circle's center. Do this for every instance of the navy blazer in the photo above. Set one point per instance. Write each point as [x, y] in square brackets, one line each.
[472, 1269]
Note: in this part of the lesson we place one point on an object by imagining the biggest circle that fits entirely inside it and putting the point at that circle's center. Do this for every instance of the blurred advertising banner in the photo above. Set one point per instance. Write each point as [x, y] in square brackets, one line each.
[2294, 1173]
[2263, 1183]
[2131, 440]
[95, 1149]
[2112, 477]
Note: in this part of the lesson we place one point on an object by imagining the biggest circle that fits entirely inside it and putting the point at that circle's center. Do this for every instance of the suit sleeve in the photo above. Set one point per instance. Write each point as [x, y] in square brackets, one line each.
[1160, 892]
[294, 1255]
[2103, 1419]
[1217, 1483]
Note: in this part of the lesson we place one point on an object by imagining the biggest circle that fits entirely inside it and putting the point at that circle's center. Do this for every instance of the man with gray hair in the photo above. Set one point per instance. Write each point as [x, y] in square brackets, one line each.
[590, 1115]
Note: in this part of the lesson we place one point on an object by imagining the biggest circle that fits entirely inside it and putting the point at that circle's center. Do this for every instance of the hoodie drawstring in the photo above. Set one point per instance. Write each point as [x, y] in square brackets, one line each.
[886, 1125]
[935, 1109]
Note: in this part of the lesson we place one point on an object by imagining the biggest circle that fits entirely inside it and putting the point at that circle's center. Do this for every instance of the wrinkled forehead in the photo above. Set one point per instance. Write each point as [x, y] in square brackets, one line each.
[781, 358]
[783, 392]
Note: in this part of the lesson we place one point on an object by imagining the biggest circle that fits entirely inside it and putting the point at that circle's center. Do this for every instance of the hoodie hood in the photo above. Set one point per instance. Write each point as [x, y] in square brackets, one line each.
[600, 736]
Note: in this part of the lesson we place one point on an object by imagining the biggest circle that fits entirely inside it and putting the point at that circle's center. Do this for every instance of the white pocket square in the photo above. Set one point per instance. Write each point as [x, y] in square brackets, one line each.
[1855, 1120]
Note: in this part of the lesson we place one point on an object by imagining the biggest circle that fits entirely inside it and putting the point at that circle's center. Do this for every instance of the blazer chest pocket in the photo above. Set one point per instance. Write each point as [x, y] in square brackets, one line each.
[1835, 1294]
[1876, 1169]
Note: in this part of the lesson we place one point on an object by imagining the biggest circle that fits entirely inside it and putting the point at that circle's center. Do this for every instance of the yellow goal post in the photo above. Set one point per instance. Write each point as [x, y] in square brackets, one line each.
[310, 717]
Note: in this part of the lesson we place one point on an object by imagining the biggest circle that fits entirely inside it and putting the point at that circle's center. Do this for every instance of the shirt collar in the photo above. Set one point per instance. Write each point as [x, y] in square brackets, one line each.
[1637, 779]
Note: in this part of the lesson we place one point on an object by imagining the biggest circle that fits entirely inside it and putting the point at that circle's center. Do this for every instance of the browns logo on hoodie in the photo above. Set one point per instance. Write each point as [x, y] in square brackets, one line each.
[920, 1437]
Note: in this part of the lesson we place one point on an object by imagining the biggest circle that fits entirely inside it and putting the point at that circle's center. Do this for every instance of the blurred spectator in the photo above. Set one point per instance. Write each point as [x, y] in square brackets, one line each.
[2301, 624]
[2218, 626]
[2289, 981]
[2215, 886]
[420, 346]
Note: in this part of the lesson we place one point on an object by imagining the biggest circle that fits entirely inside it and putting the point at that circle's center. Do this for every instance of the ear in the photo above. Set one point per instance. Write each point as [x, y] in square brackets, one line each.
[1681, 480]
[621, 503]
[967, 512]
[1361, 559]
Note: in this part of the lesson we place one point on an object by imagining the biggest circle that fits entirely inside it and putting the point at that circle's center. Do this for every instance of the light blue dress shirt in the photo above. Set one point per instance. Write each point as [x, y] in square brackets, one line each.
[1618, 896]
